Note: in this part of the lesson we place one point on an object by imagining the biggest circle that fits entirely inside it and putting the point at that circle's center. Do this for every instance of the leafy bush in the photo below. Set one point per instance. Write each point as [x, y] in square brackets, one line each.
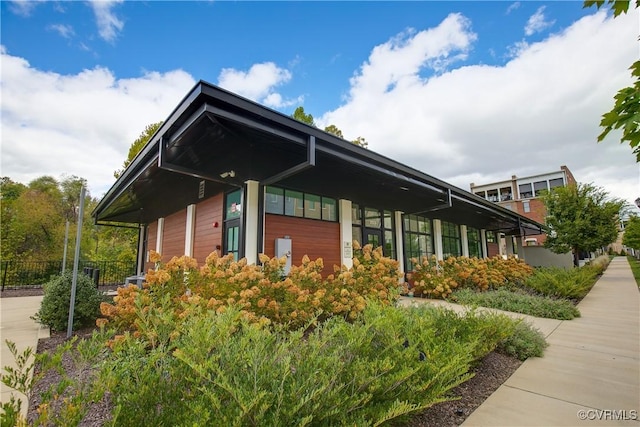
[524, 342]
[54, 309]
[262, 292]
[518, 302]
[564, 283]
[433, 278]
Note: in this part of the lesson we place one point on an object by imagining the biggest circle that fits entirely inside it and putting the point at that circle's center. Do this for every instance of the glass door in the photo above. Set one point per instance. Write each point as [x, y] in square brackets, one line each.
[373, 237]
[233, 216]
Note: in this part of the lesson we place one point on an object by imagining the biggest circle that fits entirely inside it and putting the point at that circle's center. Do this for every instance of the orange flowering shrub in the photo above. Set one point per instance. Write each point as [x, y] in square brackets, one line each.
[437, 279]
[264, 294]
[431, 278]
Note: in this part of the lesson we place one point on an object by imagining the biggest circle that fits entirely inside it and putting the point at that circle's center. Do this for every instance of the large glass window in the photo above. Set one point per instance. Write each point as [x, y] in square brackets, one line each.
[418, 240]
[556, 182]
[296, 203]
[539, 187]
[475, 242]
[451, 242]
[525, 191]
[274, 200]
[370, 225]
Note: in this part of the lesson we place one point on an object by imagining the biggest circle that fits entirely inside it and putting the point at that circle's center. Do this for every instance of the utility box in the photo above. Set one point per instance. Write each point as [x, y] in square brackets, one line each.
[283, 248]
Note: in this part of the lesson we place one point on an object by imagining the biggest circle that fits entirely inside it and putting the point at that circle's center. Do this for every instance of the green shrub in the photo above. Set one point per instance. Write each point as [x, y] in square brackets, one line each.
[518, 302]
[54, 309]
[525, 342]
[565, 283]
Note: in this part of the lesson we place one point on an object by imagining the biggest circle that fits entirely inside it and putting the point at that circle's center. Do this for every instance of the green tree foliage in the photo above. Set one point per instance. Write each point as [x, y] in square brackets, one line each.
[334, 130]
[138, 145]
[581, 218]
[625, 114]
[300, 115]
[631, 237]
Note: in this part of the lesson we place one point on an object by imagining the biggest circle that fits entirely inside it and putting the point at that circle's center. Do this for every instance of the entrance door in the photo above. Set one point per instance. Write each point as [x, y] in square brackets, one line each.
[232, 238]
[373, 236]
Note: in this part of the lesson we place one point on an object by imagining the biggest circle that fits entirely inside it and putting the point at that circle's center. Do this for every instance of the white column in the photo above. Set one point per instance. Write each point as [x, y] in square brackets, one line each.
[483, 243]
[159, 235]
[399, 240]
[141, 254]
[509, 244]
[252, 211]
[346, 233]
[437, 238]
[190, 230]
[464, 240]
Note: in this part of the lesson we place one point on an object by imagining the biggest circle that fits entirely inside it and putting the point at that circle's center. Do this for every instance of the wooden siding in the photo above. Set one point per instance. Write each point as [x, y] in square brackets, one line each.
[317, 239]
[173, 235]
[206, 236]
[493, 249]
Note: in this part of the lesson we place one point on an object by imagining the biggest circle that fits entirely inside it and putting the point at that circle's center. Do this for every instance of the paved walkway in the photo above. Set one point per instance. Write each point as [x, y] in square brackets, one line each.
[590, 373]
[16, 326]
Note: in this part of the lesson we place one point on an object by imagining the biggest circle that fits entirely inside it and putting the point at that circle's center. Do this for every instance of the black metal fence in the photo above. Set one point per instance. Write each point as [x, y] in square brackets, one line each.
[33, 274]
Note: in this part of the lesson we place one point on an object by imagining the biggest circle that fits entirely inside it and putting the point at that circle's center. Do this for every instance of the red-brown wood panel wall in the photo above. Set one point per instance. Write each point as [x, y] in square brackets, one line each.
[152, 235]
[173, 235]
[207, 237]
[317, 239]
[493, 249]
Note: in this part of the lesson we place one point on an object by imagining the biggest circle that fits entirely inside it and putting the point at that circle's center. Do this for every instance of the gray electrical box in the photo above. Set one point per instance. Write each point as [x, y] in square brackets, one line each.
[283, 248]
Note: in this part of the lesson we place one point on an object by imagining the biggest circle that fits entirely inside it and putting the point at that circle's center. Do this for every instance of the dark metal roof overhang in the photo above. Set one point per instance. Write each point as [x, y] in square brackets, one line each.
[224, 140]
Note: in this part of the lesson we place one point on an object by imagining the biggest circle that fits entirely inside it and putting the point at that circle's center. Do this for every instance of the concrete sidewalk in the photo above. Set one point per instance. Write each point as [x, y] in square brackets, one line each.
[590, 373]
[16, 326]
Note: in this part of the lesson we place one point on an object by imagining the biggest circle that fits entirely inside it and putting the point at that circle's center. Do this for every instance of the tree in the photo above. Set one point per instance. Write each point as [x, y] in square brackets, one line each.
[300, 115]
[138, 145]
[631, 237]
[625, 113]
[361, 142]
[581, 218]
[334, 130]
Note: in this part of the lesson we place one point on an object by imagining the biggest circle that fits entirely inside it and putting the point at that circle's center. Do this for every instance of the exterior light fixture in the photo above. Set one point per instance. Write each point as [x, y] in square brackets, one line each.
[228, 174]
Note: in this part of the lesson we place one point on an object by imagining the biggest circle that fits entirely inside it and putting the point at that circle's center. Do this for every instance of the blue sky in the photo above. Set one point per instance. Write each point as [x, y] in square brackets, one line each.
[465, 91]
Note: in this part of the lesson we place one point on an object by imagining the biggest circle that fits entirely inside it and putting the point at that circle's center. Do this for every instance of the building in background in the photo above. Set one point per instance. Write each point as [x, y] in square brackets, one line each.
[521, 195]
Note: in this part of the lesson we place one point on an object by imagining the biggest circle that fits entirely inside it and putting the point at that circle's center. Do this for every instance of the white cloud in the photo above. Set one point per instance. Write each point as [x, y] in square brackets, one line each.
[65, 31]
[537, 22]
[109, 25]
[485, 123]
[258, 83]
[80, 124]
[512, 7]
[24, 7]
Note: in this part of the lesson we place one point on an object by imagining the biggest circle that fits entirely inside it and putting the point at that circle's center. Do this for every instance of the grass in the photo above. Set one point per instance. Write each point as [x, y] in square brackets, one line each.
[635, 268]
[518, 302]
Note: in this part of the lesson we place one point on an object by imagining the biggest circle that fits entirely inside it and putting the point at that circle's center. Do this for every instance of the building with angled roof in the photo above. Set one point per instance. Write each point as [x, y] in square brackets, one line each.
[226, 174]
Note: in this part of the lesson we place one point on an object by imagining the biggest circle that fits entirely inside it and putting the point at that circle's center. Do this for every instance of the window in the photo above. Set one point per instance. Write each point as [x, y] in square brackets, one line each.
[491, 237]
[376, 228]
[525, 206]
[539, 187]
[274, 200]
[475, 242]
[418, 240]
[296, 203]
[505, 194]
[312, 206]
[233, 205]
[451, 242]
[293, 203]
[480, 193]
[525, 191]
[492, 196]
[556, 182]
